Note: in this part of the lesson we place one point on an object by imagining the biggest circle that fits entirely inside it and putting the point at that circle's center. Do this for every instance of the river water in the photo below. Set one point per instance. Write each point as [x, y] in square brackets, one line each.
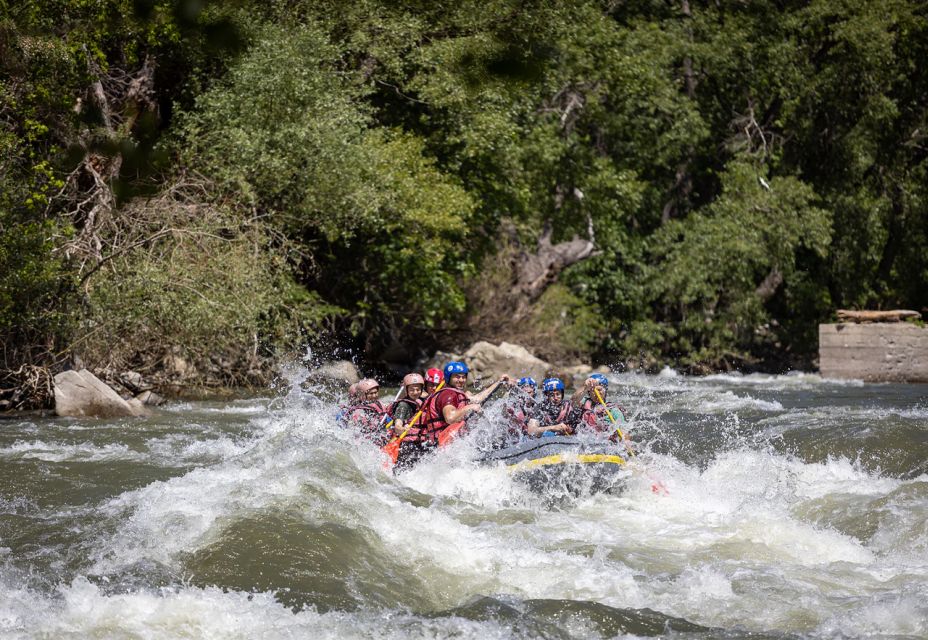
[795, 508]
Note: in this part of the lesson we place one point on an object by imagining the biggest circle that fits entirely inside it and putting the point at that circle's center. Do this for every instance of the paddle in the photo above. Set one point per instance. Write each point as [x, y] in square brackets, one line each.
[392, 448]
[656, 485]
[599, 397]
[387, 415]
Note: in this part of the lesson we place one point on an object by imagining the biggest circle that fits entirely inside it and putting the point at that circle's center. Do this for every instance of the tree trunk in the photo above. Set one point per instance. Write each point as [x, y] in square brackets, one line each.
[896, 315]
[766, 289]
[536, 271]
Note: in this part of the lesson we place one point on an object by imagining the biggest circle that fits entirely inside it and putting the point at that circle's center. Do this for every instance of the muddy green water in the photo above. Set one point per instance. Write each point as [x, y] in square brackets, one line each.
[797, 507]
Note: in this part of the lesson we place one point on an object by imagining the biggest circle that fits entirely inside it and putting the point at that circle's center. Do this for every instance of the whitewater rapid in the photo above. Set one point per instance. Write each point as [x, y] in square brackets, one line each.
[795, 506]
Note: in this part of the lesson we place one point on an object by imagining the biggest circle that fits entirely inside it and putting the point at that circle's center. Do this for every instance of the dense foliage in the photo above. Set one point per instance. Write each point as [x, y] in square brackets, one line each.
[181, 177]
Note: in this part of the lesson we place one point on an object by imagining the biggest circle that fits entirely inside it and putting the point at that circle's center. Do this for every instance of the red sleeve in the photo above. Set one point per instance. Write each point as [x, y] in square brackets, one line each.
[456, 400]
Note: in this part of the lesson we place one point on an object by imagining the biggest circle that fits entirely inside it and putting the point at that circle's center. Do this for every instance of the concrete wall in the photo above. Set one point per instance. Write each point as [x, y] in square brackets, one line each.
[878, 352]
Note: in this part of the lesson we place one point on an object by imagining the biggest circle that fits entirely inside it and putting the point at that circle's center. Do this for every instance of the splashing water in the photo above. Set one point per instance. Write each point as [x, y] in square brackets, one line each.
[795, 506]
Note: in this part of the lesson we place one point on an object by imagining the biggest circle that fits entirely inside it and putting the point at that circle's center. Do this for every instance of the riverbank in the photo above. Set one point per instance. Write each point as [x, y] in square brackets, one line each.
[211, 378]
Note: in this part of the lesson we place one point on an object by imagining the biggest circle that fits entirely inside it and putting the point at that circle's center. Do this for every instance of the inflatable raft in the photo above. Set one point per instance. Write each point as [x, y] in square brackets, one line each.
[564, 464]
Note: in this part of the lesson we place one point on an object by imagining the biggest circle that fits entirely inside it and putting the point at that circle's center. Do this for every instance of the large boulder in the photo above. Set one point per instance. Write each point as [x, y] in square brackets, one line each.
[577, 374]
[489, 361]
[82, 394]
[339, 372]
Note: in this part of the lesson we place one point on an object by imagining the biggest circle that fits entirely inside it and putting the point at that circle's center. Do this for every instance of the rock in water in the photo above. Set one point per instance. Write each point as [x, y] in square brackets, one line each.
[82, 394]
[150, 397]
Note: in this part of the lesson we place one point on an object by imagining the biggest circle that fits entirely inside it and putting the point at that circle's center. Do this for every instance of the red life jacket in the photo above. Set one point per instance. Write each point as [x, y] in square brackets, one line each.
[367, 416]
[594, 415]
[518, 413]
[546, 417]
[432, 421]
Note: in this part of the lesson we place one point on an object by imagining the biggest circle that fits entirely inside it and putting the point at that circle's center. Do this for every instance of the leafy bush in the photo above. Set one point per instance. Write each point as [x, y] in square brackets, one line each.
[195, 279]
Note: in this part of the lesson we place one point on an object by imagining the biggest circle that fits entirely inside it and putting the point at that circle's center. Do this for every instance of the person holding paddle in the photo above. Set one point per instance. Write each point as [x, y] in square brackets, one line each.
[448, 406]
[409, 403]
[519, 407]
[597, 413]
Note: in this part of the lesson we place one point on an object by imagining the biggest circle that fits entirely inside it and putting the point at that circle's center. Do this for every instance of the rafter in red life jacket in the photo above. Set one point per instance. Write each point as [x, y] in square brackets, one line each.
[564, 410]
[433, 421]
[367, 416]
[594, 414]
[518, 412]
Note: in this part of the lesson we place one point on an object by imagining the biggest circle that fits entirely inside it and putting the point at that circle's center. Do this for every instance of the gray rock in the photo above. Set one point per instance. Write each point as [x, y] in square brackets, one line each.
[150, 398]
[82, 394]
[337, 371]
[134, 381]
[138, 407]
[488, 361]
[577, 374]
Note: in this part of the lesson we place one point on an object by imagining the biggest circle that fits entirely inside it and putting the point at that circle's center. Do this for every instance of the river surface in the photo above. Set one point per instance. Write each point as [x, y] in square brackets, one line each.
[795, 508]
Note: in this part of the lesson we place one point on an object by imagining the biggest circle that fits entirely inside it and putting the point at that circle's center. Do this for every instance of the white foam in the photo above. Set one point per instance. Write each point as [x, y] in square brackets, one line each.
[727, 401]
[84, 611]
[59, 452]
[791, 380]
[182, 449]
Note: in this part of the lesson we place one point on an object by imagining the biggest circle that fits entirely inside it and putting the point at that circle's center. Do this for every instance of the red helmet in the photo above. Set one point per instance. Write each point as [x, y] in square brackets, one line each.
[412, 378]
[367, 384]
[435, 376]
[353, 390]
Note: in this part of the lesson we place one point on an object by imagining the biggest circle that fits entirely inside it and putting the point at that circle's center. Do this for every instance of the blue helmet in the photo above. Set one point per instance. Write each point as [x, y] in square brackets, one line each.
[527, 380]
[552, 384]
[600, 379]
[455, 367]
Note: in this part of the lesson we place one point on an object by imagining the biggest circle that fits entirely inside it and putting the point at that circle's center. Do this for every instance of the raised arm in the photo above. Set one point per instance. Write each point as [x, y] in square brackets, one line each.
[483, 395]
[583, 390]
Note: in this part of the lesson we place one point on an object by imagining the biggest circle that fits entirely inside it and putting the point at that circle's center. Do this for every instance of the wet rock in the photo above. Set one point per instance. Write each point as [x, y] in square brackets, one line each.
[82, 394]
[150, 398]
[134, 382]
[138, 407]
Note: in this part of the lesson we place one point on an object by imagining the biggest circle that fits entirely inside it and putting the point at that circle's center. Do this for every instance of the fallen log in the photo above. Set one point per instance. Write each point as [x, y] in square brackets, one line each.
[896, 315]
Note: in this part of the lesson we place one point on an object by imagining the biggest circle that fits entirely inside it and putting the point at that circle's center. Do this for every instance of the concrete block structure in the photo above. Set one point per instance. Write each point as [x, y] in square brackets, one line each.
[875, 352]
